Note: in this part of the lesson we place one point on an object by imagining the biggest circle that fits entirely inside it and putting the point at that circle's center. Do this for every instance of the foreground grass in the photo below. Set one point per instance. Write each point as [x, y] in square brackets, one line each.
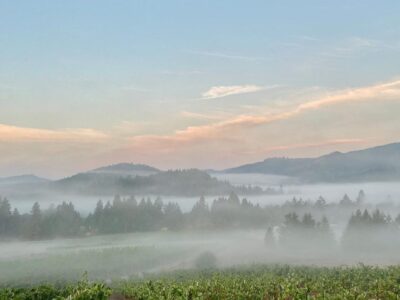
[257, 282]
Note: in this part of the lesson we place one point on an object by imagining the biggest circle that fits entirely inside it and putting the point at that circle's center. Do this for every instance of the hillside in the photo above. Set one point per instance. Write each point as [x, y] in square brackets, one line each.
[190, 182]
[380, 163]
[22, 179]
[127, 169]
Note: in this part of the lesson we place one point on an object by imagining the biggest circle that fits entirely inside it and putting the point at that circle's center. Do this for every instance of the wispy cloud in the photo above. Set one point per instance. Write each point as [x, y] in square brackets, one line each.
[222, 141]
[223, 91]
[378, 92]
[308, 38]
[229, 127]
[227, 55]
[355, 46]
[220, 129]
[204, 116]
[50, 152]
[181, 72]
[10, 133]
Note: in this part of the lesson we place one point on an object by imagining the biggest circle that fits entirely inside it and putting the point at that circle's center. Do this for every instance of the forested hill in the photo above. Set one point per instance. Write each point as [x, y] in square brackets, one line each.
[190, 182]
[127, 169]
[380, 163]
[22, 179]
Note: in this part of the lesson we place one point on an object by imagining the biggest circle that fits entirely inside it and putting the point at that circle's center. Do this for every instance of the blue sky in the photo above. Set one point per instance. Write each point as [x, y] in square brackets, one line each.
[112, 78]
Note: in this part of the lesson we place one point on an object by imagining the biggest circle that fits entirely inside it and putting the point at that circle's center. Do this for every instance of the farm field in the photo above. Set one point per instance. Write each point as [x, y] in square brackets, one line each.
[252, 282]
[119, 257]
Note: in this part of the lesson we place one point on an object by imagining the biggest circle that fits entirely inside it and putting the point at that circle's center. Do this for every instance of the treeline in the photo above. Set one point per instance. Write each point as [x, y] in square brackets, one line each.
[372, 231]
[63, 221]
[366, 231]
[127, 214]
[321, 203]
[124, 215]
[305, 232]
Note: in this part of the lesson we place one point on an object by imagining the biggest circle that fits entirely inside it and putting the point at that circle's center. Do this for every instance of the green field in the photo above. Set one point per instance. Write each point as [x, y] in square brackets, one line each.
[202, 265]
[253, 282]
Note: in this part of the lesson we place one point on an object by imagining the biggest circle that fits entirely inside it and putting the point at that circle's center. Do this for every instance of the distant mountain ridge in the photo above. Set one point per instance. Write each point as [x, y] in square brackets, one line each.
[23, 179]
[381, 163]
[127, 168]
[189, 182]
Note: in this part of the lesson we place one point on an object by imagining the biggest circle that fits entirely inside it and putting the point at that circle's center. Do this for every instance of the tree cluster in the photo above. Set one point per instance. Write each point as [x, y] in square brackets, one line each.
[62, 220]
[371, 231]
[305, 232]
[297, 219]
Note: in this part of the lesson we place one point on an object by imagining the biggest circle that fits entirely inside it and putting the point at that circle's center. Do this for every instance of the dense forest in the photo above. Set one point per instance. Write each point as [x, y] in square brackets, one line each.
[291, 220]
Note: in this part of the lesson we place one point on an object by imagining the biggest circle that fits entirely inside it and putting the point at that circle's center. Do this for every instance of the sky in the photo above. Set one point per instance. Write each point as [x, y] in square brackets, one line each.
[205, 84]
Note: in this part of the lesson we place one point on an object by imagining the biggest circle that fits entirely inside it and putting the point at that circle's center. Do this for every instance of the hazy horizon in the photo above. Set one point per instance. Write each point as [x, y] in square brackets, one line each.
[189, 167]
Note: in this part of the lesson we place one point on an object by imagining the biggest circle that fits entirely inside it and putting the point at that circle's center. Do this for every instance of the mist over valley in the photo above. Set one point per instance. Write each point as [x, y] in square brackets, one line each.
[133, 213]
[202, 150]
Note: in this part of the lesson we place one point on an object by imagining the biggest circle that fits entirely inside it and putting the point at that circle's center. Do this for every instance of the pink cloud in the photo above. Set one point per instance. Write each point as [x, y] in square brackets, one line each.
[219, 143]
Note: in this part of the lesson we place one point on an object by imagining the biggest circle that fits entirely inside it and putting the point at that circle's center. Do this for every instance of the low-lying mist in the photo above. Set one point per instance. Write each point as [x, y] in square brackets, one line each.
[123, 256]
[128, 237]
[378, 193]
